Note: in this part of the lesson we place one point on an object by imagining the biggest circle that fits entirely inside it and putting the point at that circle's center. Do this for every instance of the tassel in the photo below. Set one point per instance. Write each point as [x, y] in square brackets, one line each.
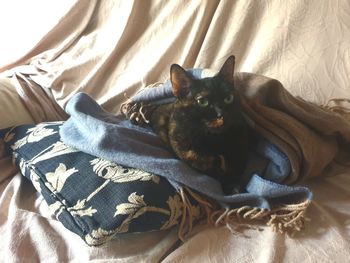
[288, 218]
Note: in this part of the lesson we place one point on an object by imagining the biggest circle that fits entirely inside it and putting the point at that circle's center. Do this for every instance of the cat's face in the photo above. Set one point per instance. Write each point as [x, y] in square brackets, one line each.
[209, 104]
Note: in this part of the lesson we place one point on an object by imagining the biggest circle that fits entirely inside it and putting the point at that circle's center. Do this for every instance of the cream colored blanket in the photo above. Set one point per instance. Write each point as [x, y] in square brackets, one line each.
[107, 48]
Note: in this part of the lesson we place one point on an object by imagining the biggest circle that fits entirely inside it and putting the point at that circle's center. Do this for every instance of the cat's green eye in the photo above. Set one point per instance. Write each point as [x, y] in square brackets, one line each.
[203, 102]
[228, 99]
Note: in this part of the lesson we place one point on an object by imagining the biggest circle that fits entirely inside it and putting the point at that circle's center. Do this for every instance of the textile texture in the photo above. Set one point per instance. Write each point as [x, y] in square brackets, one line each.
[92, 197]
[111, 48]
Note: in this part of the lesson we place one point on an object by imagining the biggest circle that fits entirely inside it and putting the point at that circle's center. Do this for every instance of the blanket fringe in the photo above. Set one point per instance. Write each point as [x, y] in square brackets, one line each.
[138, 112]
[288, 218]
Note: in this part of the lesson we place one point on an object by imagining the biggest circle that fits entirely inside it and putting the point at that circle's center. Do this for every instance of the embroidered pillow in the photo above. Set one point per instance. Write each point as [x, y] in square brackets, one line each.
[92, 197]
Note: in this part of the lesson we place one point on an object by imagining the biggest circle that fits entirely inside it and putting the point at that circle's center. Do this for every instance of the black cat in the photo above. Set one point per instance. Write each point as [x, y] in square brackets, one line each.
[205, 126]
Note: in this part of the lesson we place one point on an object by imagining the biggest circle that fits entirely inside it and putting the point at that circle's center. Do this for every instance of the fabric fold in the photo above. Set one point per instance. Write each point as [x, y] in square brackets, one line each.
[97, 132]
[293, 148]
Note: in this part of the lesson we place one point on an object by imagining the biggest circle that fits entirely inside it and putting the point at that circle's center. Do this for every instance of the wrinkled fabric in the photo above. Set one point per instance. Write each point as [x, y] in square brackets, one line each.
[108, 48]
[97, 132]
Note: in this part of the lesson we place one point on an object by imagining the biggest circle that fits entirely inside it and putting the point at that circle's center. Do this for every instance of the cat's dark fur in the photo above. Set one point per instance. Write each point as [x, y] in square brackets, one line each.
[205, 126]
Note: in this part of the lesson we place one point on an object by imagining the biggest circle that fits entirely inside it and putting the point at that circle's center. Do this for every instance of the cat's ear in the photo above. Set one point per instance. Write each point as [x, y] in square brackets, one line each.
[180, 80]
[226, 71]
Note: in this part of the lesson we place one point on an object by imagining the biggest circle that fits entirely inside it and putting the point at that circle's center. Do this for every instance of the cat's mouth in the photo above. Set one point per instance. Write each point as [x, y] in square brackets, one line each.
[215, 123]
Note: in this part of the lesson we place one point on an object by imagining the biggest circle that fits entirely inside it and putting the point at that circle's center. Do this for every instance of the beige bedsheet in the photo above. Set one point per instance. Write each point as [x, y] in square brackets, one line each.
[106, 48]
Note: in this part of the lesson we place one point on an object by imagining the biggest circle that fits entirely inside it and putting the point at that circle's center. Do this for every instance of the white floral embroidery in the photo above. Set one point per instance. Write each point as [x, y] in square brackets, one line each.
[119, 174]
[57, 208]
[34, 134]
[22, 166]
[136, 202]
[98, 237]
[134, 209]
[79, 209]
[57, 149]
[35, 180]
[58, 178]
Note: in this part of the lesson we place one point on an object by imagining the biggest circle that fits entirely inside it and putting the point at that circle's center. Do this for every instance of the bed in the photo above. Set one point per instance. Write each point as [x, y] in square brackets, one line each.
[111, 48]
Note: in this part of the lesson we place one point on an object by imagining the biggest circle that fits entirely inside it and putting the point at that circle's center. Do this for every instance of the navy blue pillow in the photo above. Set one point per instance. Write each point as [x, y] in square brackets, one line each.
[92, 197]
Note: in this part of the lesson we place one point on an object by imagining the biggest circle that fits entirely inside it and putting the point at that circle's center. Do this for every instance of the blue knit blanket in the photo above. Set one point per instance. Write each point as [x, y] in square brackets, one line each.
[97, 132]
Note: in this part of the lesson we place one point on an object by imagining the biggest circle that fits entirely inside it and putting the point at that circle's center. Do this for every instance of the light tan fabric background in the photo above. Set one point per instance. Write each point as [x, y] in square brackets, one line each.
[106, 48]
[12, 110]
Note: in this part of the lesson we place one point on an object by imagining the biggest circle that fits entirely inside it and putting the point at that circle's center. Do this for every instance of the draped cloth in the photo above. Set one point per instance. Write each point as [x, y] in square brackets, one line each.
[285, 121]
[312, 136]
